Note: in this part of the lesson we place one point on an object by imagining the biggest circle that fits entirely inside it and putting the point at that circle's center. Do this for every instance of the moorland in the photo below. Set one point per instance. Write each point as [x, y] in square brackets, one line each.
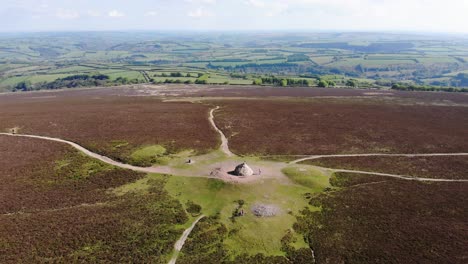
[133, 200]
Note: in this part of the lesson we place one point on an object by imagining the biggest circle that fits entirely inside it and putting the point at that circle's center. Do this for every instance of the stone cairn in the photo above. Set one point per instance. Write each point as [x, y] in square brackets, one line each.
[243, 170]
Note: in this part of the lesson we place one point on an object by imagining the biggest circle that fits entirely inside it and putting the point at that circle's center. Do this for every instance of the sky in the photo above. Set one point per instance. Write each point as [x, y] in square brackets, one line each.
[450, 16]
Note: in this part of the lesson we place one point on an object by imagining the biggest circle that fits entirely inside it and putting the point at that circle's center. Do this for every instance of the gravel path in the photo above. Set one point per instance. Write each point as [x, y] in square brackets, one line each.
[313, 157]
[180, 243]
[168, 170]
[94, 155]
[403, 177]
[224, 141]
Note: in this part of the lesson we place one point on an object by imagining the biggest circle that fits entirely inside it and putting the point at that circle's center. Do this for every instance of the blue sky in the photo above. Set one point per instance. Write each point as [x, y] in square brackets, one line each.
[357, 15]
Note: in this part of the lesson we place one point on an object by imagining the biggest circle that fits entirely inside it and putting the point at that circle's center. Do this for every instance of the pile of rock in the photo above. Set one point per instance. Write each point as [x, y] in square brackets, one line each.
[265, 210]
[243, 170]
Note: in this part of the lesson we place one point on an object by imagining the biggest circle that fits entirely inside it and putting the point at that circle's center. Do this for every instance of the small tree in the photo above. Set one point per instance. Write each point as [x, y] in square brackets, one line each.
[323, 84]
[176, 74]
[351, 83]
[24, 86]
[284, 82]
[257, 82]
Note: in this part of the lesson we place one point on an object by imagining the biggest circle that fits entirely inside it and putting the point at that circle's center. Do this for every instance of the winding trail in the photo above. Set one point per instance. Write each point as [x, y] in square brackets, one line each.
[167, 170]
[225, 149]
[224, 141]
[94, 155]
[180, 243]
[403, 177]
[313, 157]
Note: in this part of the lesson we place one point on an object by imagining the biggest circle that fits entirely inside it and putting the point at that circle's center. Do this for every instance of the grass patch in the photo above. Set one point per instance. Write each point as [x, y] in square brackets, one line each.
[80, 167]
[247, 234]
[147, 156]
[308, 177]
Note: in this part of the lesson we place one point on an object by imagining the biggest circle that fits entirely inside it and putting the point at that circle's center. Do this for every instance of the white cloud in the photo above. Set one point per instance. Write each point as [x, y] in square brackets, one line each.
[427, 15]
[115, 13]
[255, 3]
[210, 2]
[362, 15]
[200, 13]
[93, 13]
[270, 8]
[277, 9]
[151, 13]
[66, 14]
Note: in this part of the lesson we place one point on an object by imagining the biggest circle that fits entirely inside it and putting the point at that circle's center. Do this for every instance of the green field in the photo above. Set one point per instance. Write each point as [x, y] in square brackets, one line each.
[408, 59]
[248, 234]
[255, 235]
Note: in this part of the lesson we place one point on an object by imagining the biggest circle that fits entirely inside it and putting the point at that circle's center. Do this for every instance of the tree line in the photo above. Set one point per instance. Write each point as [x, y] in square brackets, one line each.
[284, 82]
[74, 81]
[412, 87]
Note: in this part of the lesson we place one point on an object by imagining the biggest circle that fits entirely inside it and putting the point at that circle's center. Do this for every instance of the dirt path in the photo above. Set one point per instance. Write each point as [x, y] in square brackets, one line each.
[273, 169]
[224, 141]
[403, 177]
[95, 155]
[169, 170]
[180, 243]
[313, 157]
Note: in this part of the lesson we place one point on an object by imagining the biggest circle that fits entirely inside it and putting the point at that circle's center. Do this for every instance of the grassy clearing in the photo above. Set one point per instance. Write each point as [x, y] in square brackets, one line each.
[308, 177]
[248, 234]
[158, 154]
[150, 155]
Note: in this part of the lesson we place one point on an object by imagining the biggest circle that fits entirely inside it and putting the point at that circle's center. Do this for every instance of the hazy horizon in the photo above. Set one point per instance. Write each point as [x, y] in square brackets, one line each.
[399, 16]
